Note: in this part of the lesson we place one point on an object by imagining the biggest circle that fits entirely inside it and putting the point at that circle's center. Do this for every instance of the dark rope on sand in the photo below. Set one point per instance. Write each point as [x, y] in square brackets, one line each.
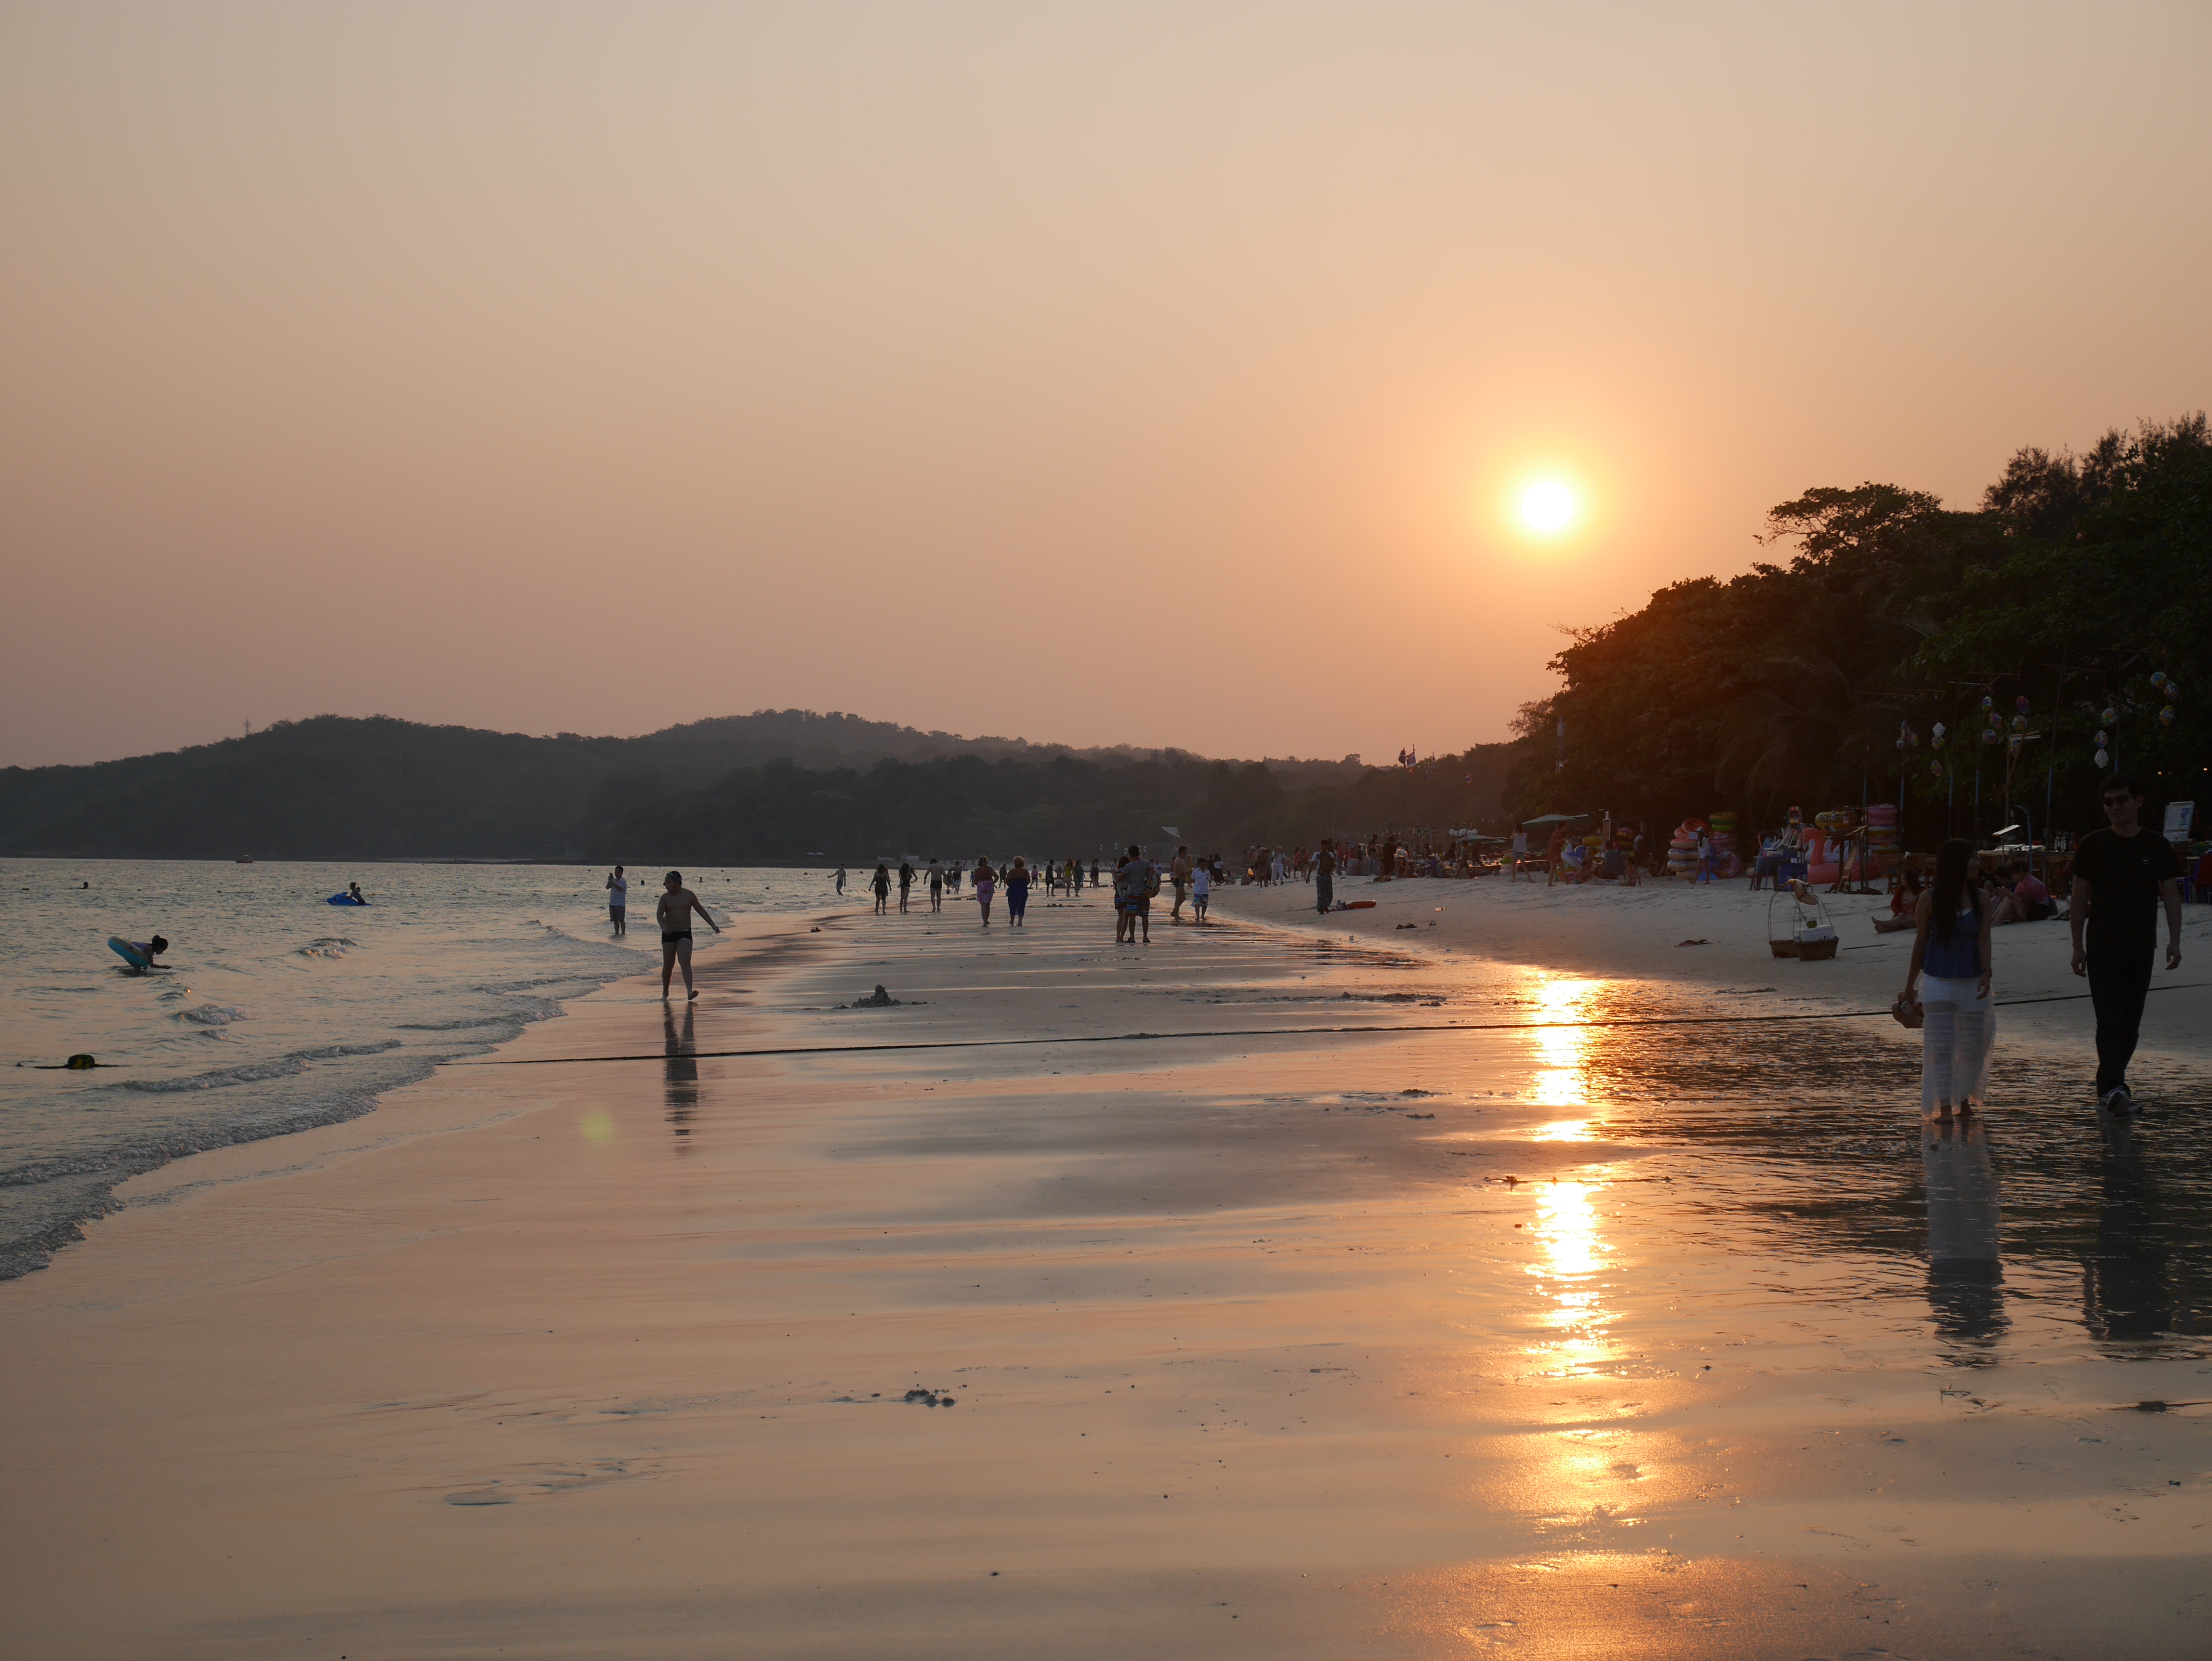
[1257, 1033]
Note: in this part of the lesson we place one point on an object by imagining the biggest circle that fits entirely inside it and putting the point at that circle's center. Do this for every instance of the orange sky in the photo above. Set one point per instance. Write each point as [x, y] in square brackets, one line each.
[1145, 373]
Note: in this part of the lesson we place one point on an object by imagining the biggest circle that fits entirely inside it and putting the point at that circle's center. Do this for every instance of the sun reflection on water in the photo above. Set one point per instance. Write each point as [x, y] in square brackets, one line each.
[1571, 1271]
[1562, 1052]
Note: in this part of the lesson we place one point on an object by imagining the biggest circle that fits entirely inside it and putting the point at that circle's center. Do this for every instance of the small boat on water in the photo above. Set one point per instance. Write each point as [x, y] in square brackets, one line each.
[243, 859]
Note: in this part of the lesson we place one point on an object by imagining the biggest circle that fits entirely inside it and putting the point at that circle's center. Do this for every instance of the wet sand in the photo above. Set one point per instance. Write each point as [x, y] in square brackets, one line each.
[1574, 1340]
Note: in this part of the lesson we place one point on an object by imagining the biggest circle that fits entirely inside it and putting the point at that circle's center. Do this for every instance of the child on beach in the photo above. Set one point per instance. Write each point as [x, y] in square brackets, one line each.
[677, 904]
[1952, 949]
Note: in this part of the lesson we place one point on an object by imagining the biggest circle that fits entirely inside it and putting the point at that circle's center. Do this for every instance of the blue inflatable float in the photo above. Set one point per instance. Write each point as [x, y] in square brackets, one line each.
[344, 899]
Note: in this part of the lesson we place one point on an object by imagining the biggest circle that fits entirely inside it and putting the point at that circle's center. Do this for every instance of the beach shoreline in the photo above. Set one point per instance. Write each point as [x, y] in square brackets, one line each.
[1289, 1345]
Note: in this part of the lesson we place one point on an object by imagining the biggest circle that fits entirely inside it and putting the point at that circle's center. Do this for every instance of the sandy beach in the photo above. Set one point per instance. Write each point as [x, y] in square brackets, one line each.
[1067, 1335]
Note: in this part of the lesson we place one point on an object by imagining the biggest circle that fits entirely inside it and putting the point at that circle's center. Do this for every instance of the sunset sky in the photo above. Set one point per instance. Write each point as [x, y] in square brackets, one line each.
[1161, 375]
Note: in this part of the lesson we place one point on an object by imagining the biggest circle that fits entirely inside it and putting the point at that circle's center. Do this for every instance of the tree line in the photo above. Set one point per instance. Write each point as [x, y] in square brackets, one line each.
[2076, 598]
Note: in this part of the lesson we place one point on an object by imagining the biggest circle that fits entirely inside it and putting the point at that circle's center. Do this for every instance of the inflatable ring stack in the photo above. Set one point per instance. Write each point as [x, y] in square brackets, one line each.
[1724, 834]
[1682, 850]
[1882, 834]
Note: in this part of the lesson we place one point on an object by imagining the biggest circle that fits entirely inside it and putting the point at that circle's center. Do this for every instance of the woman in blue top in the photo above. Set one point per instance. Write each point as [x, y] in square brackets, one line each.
[1951, 952]
[1017, 893]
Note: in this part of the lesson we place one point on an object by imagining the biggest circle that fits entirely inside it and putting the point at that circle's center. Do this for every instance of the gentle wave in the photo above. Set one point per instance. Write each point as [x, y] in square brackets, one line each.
[210, 1015]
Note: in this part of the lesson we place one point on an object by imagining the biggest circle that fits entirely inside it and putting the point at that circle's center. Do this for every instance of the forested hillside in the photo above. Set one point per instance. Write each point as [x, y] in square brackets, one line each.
[778, 786]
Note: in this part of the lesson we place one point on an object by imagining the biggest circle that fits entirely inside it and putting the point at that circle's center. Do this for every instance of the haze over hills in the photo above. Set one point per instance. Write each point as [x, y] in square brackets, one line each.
[776, 785]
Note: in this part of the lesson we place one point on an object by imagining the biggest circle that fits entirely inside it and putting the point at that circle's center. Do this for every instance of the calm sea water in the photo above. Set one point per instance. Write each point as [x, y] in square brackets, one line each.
[282, 1012]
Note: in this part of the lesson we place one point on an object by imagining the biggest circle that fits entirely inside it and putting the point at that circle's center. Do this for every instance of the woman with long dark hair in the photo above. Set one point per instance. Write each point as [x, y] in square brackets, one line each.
[1951, 952]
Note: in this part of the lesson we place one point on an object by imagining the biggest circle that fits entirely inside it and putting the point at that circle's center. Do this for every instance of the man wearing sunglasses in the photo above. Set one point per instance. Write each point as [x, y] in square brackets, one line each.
[2122, 875]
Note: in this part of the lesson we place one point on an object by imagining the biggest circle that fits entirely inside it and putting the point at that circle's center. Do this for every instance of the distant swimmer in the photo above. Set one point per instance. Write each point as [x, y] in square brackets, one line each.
[150, 950]
[618, 901]
[677, 905]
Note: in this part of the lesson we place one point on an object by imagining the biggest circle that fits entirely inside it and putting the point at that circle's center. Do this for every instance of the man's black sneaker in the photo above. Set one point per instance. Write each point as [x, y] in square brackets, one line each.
[2121, 1100]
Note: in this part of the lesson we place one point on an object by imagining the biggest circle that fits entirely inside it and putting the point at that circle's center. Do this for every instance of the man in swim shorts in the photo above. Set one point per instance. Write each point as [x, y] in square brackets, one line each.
[677, 904]
[618, 901]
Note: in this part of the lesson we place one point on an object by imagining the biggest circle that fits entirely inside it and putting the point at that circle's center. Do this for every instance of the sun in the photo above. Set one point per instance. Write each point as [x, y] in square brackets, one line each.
[1547, 506]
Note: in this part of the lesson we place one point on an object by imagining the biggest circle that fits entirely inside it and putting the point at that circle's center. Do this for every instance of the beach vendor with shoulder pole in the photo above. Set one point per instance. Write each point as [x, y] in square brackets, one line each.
[2123, 875]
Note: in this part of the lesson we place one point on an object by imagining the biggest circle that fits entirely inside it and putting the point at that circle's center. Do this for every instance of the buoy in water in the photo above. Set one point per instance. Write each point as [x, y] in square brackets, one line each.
[80, 1063]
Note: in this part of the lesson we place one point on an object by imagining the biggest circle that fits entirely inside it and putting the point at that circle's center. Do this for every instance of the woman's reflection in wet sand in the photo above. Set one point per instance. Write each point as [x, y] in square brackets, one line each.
[682, 1081]
[2125, 1290]
[1966, 1278]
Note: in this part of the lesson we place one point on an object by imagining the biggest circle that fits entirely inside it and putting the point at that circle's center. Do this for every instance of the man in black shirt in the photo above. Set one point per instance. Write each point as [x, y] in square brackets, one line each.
[1325, 876]
[2121, 875]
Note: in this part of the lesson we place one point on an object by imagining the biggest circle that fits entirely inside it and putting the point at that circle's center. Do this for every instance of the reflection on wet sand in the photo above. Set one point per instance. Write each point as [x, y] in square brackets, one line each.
[682, 1076]
[1965, 1276]
[2126, 1294]
[1571, 1276]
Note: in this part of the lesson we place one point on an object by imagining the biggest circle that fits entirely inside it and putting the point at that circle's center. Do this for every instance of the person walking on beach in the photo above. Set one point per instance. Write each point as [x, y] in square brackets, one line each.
[1018, 893]
[1179, 874]
[1951, 948]
[618, 901]
[1520, 850]
[1094, 871]
[1325, 876]
[986, 884]
[881, 882]
[1201, 890]
[841, 882]
[936, 887]
[905, 883]
[2123, 875]
[677, 904]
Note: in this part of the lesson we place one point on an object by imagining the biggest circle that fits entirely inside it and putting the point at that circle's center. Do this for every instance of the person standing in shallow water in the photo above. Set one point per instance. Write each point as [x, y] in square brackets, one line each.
[618, 901]
[881, 882]
[2122, 876]
[678, 902]
[906, 882]
[1017, 893]
[986, 884]
[936, 887]
[1952, 947]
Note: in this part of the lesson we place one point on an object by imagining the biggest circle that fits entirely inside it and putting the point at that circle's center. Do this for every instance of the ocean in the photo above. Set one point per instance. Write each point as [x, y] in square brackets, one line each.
[280, 1012]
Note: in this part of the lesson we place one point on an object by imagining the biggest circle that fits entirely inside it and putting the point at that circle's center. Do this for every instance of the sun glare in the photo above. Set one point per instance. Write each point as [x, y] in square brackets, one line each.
[1547, 506]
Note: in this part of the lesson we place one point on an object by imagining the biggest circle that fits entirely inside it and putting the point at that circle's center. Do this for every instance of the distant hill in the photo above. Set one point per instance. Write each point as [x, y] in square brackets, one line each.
[338, 787]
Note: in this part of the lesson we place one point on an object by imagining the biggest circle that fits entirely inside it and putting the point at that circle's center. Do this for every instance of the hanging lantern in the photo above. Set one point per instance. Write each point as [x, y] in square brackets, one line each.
[1989, 735]
[2103, 760]
[1938, 730]
[2020, 704]
[2165, 716]
[2108, 714]
[1989, 703]
[2013, 746]
[2158, 677]
[2173, 690]
[2020, 723]
[2103, 738]
[1936, 769]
